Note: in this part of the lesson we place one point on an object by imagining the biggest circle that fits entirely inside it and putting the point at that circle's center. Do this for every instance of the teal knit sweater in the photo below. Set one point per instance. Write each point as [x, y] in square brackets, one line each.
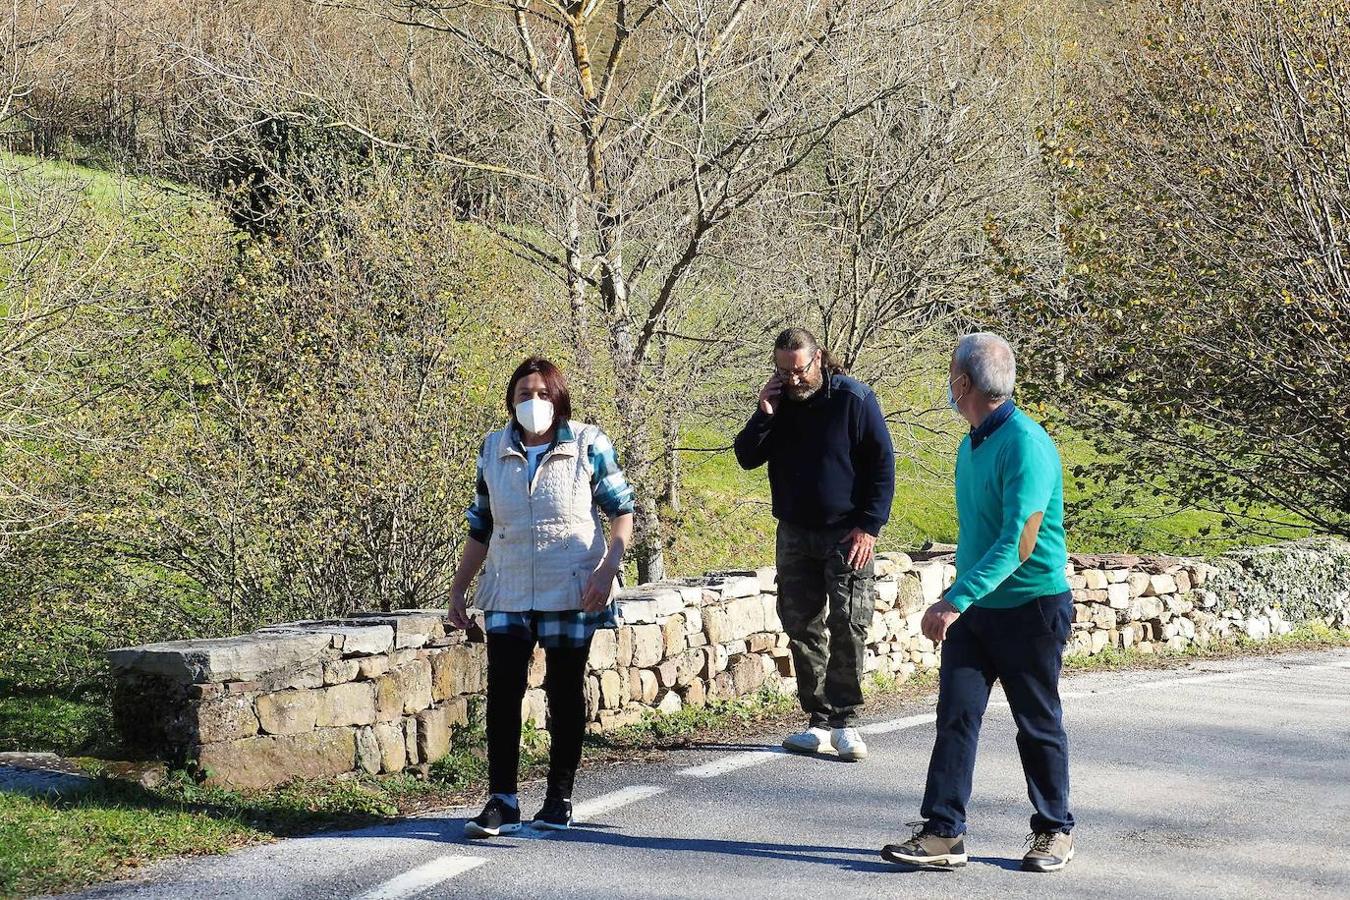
[1002, 487]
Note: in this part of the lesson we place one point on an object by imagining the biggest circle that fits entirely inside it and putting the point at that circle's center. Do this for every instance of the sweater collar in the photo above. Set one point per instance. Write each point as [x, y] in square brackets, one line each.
[991, 423]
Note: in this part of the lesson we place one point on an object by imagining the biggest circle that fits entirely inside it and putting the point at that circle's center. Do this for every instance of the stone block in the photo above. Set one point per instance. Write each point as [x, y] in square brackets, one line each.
[767, 578]
[1100, 639]
[1138, 582]
[267, 760]
[723, 687]
[338, 671]
[668, 674]
[648, 645]
[618, 718]
[1103, 617]
[410, 745]
[372, 667]
[716, 624]
[910, 599]
[694, 694]
[611, 690]
[672, 635]
[670, 704]
[649, 685]
[1159, 585]
[646, 604]
[887, 592]
[393, 747]
[288, 712]
[403, 691]
[762, 642]
[746, 672]
[459, 670]
[368, 756]
[1118, 595]
[746, 616]
[692, 663]
[534, 708]
[1144, 608]
[401, 657]
[901, 562]
[352, 703]
[604, 650]
[243, 658]
[534, 676]
[228, 717]
[412, 628]
[693, 621]
[624, 650]
[734, 585]
[592, 695]
[1095, 580]
[930, 580]
[352, 639]
[769, 609]
[433, 734]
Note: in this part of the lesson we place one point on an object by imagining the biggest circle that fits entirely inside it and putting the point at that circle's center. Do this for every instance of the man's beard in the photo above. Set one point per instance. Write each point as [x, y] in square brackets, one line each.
[805, 391]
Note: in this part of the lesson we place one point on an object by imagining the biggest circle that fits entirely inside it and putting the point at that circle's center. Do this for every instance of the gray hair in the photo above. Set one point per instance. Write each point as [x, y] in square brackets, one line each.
[988, 360]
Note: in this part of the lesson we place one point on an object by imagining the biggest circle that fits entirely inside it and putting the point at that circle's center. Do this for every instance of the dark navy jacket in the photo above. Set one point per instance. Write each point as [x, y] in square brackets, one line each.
[831, 462]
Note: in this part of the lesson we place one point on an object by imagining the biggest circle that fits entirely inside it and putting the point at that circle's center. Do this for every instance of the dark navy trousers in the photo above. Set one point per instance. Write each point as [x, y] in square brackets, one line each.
[1023, 648]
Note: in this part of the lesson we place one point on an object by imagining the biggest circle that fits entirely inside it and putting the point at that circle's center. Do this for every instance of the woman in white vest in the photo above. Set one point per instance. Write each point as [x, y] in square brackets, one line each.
[543, 481]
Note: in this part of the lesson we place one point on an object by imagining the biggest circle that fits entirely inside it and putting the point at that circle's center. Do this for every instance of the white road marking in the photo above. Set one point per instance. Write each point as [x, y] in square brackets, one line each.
[898, 724]
[597, 806]
[424, 877]
[733, 762]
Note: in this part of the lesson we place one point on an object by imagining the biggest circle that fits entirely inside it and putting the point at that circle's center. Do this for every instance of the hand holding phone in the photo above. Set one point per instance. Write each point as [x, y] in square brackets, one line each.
[771, 393]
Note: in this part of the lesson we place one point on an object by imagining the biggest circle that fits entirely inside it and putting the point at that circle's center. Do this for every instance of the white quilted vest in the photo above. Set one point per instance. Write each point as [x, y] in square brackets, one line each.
[547, 538]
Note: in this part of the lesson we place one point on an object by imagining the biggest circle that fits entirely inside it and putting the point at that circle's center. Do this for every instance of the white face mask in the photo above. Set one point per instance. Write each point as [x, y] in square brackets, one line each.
[535, 416]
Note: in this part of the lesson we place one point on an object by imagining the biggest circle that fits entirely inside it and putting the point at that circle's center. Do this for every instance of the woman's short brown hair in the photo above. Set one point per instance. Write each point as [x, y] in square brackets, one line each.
[553, 380]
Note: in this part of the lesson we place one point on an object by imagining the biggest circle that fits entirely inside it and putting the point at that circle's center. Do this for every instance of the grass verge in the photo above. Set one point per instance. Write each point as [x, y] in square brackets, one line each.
[115, 828]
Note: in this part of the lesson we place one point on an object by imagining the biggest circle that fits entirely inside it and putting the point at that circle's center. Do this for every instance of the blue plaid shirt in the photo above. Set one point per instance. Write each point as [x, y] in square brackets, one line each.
[572, 628]
[610, 489]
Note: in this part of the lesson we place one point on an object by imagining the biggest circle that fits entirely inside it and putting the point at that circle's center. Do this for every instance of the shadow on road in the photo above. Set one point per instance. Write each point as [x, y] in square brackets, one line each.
[854, 859]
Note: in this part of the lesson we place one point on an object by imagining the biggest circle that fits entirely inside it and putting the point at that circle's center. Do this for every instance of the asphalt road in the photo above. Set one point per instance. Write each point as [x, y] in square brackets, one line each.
[1224, 779]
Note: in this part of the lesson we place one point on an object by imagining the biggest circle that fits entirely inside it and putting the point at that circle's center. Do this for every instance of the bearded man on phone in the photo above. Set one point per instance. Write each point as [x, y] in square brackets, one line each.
[832, 477]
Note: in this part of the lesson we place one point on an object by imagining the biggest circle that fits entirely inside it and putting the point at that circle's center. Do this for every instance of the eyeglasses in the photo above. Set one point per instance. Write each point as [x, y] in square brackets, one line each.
[785, 374]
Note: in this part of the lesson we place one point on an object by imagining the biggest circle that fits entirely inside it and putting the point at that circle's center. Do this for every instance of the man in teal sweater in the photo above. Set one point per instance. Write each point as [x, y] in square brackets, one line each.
[1006, 617]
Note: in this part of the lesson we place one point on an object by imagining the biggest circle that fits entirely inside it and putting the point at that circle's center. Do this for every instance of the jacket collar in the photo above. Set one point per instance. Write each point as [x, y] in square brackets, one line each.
[564, 440]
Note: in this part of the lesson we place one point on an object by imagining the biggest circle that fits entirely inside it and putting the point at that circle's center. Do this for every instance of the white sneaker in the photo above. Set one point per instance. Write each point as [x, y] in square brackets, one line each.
[809, 741]
[848, 744]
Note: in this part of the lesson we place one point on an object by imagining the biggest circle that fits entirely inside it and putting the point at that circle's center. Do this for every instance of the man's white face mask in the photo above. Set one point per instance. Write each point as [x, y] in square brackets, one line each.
[953, 401]
[535, 415]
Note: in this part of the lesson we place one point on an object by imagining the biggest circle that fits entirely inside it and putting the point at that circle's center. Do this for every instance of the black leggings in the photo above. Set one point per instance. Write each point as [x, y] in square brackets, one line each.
[564, 683]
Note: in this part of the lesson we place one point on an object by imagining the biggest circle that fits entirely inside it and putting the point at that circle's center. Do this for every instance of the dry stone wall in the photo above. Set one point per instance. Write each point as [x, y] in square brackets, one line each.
[383, 692]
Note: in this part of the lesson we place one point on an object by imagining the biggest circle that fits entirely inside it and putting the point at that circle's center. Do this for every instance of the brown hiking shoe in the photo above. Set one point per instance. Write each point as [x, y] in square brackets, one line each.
[1050, 851]
[927, 850]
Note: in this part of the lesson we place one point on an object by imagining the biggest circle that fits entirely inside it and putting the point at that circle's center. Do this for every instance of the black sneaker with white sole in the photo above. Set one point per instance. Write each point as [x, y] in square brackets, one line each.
[555, 815]
[498, 817]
